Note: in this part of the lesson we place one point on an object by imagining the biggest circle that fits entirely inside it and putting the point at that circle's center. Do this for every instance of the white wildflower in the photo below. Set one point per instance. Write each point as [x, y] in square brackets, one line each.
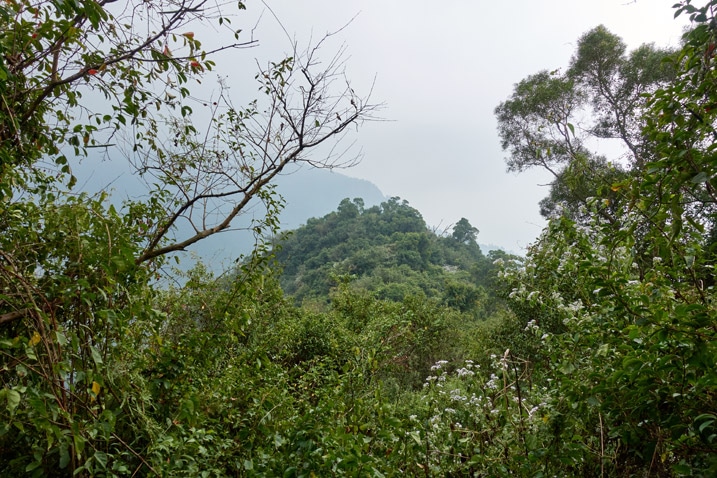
[438, 365]
[462, 372]
[493, 382]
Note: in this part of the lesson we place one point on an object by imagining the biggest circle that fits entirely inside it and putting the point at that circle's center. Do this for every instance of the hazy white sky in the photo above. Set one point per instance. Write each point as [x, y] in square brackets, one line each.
[441, 68]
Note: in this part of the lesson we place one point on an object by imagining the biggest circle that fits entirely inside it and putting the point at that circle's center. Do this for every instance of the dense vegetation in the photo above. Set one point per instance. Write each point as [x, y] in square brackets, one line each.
[394, 351]
[389, 251]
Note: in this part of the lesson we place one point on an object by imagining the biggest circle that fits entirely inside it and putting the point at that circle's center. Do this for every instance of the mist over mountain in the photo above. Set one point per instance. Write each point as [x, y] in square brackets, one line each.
[307, 193]
[316, 192]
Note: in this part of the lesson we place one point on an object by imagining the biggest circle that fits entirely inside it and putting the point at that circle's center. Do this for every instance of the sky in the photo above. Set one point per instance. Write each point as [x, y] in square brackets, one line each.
[441, 68]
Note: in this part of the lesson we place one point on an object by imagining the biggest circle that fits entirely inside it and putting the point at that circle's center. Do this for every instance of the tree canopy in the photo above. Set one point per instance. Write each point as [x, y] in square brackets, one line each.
[386, 249]
[553, 119]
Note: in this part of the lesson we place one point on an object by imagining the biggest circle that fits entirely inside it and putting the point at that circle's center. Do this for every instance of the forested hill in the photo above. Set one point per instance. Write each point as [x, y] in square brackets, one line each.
[386, 249]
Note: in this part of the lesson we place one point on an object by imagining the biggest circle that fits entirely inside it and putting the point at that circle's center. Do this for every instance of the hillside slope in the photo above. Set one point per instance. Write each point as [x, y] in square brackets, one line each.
[388, 250]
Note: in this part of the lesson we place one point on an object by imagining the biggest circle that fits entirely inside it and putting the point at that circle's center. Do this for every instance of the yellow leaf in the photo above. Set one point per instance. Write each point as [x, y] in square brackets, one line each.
[95, 388]
[35, 339]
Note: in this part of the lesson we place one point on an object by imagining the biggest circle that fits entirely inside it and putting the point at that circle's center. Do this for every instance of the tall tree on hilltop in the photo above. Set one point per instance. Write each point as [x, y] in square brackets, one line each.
[464, 232]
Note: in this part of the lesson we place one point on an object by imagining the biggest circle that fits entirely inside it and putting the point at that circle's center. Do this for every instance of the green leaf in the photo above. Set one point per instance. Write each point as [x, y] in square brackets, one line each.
[708, 418]
[567, 368]
[64, 456]
[61, 338]
[101, 459]
[79, 443]
[682, 469]
[96, 355]
[700, 178]
[13, 400]
[705, 424]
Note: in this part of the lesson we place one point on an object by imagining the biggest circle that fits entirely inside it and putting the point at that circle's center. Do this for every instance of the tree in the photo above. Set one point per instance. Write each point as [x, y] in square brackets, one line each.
[53, 55]
[464, 233]
[552, 120]
[77, 303]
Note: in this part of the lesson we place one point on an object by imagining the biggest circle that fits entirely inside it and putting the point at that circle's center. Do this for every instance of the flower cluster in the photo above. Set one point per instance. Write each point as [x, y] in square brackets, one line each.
[438, 365]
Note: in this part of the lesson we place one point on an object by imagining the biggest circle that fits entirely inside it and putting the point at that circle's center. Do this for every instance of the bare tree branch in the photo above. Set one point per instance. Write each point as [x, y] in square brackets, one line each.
[305, 107]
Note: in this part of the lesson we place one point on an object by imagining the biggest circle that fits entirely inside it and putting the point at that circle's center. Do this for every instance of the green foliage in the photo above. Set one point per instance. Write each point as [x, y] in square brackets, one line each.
[285, 387]
[76, 284]
[56, 54]
[103, 372]
[595, 356]
[623, 308]
[464, 233]
[533, 123]
[388, 250]
[403, 338]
